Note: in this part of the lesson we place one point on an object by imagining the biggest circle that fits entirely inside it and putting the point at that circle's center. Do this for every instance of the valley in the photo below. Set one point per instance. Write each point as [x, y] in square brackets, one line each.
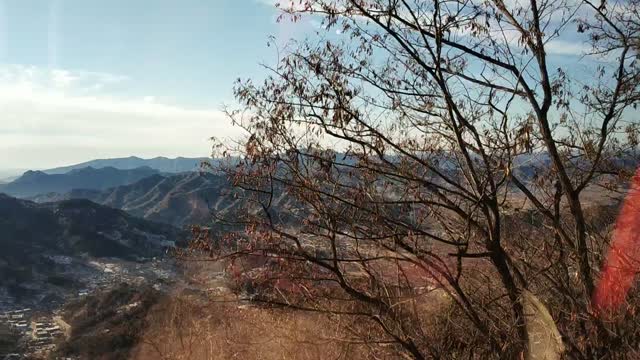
[59, 253]
[79, 278]
[114, 273]
[85, 271]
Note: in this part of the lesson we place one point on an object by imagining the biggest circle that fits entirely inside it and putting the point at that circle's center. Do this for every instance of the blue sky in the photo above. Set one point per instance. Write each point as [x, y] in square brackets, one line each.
[82, 79]
[184, 50]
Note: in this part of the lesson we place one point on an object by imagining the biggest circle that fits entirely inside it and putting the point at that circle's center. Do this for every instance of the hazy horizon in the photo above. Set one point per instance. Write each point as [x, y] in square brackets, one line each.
[86, 80]
[82, 81]
[12, 172]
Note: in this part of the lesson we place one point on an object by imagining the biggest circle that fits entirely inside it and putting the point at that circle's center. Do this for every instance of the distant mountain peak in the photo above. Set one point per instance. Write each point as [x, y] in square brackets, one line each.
[180, 199]
[33, 183]
[160, 163]
[31, 173]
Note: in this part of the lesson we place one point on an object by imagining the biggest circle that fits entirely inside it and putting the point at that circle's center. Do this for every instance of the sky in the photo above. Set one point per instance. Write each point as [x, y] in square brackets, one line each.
[84, 79]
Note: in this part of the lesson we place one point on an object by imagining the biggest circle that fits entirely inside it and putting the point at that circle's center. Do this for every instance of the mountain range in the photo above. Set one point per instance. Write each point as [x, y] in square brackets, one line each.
[75, 227]
[33, 235]
[33, 183]
[182, 199]
[161, 164]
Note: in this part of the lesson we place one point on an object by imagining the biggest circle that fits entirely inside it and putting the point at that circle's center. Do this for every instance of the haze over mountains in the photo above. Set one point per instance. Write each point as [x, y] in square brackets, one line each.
[161, 164]
[172, 191]
[95, 174]
[181, 199]
[32, 183]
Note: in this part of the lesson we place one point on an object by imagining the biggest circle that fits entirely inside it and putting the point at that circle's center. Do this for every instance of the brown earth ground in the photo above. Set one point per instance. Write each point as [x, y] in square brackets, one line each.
[217, 325]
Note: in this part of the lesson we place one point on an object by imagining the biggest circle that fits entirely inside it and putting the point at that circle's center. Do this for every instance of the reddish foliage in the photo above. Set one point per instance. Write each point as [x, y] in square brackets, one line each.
[623, 259]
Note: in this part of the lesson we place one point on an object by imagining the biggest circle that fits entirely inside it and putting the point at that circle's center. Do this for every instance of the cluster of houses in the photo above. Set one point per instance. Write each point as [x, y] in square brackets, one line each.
[44, 334]
[17, 319]
[41, 333]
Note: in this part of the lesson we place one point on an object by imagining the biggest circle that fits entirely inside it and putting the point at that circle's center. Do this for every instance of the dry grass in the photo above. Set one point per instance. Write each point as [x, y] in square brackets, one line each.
[216, 325]
[183, 328]
[213, 325]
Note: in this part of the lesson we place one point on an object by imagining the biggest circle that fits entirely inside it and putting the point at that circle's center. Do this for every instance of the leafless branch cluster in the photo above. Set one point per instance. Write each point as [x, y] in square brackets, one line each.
[432, 164]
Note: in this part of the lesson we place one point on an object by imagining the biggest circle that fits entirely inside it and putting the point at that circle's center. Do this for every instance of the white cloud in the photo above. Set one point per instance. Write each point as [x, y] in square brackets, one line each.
[561, 47]
[12, 75]
[62, 78]
[54, 117]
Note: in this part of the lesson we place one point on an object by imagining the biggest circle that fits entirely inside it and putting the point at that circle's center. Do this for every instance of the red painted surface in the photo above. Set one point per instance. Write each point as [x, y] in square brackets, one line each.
[623, 260]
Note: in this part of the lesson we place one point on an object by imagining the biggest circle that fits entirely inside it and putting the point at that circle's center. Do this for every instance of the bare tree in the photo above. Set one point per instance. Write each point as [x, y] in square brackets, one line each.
[440, 144]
